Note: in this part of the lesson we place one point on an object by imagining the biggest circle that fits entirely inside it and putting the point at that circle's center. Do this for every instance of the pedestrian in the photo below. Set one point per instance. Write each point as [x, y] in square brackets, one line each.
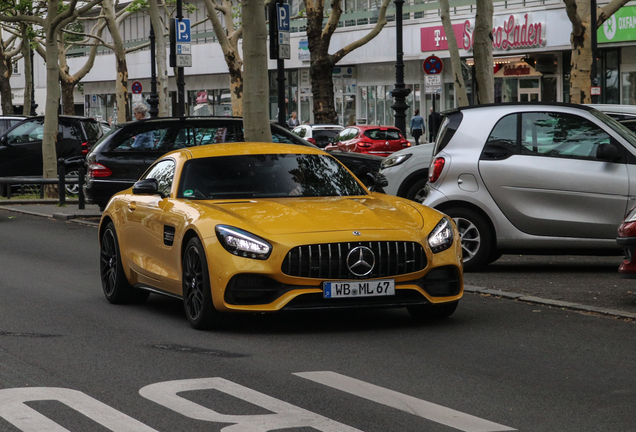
[144, 140]
[434, 121]
[293, 120]
[417, 126]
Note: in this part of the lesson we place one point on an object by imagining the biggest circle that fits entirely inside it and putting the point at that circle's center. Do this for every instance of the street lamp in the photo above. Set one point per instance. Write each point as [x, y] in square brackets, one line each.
[400, 92]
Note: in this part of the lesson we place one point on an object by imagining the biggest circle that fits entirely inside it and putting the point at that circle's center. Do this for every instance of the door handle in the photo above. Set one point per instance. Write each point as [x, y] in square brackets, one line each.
[132, 206]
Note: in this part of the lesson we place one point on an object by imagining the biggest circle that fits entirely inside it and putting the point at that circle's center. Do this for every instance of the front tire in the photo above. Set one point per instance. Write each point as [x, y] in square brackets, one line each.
[114, 282]
[433, 311]
[417, 191]
[197, 294]
[476, 237]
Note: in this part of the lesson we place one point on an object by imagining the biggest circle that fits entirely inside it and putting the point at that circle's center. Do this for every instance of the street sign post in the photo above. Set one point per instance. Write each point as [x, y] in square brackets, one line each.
[282, 21]
[180, 43]
[433, 65]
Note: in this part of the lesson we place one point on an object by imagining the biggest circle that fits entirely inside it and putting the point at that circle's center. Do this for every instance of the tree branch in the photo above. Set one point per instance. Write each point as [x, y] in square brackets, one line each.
[575, 19]
[602, 14]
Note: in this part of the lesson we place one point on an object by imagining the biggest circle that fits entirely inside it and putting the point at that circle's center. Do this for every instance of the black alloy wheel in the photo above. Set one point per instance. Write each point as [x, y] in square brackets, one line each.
[114, 282]
[197, 295]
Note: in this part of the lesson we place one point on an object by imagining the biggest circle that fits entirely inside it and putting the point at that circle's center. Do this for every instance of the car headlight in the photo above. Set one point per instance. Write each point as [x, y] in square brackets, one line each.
[242, 243]
[631, 216]
[441, 238]
[394, 160]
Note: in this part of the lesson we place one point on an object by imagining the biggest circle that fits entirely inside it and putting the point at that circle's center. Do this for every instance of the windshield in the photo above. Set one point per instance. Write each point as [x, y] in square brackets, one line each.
[621, 129]
[266, 176]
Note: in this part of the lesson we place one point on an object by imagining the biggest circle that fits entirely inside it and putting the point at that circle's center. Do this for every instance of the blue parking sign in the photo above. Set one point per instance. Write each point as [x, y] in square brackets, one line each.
[282, 11]
[182, 30]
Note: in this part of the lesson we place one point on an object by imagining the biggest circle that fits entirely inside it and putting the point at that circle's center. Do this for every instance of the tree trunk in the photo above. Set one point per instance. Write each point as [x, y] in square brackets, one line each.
[482, 51]
[236, 86]
[6, 95]
[28, 82]
[321, 75]
[581, 74]
[160, 56]
[256, 83]
[49, 153]
[121, 90]
[68, 100]
[456, 62]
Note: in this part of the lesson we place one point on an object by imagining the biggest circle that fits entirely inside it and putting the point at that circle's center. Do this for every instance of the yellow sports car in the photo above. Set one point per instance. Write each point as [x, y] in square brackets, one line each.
[257, 227]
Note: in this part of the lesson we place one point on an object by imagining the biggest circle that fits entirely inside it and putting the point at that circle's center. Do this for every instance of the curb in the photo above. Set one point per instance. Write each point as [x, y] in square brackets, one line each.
[547, 302]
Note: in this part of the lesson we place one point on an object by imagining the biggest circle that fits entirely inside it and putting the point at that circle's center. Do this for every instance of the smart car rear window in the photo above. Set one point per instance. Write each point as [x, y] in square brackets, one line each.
[449, 126]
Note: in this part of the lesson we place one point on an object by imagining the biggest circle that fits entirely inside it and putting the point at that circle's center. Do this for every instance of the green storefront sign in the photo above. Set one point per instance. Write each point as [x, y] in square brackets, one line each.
[620, 27]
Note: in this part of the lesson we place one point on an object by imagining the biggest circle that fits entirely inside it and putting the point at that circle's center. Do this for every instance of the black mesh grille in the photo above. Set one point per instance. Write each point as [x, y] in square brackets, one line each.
[329, 261]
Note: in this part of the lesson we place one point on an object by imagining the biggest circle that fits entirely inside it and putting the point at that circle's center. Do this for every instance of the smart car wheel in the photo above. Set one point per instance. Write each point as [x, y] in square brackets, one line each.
[114, 283]
[417, 191]
[476, 237]
[433, 311]
[197, 296]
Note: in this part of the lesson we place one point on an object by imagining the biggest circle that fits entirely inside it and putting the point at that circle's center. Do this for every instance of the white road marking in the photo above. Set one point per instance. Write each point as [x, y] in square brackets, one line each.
[25, 418]
[409, 404]
[285, 415]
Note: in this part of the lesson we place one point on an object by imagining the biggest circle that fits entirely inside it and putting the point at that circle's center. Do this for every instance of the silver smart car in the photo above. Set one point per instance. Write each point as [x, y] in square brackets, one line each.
[533, 178]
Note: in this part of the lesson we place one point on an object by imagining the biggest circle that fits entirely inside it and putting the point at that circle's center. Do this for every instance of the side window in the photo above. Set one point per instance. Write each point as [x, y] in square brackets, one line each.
[353, 132]
[93, 131]
[136, 140]
[560, 135]
[344, 135]
[163, 171]
[27, 132]
[300, 131]
[70, 132]
[502, 141]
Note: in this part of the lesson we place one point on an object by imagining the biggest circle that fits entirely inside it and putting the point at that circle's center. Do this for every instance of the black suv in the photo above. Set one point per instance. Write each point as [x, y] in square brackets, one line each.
[123, 155]
[21, 145]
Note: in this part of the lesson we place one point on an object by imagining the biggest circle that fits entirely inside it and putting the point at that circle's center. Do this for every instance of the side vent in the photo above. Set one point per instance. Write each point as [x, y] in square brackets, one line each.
[168, 235]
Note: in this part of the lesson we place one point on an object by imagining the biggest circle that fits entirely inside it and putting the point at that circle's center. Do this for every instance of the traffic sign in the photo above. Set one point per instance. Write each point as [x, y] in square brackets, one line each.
[433, 65]
[136, 87]
[184, 60]
[183, 30]
[283, 17]
[433, 84]
[183, 48]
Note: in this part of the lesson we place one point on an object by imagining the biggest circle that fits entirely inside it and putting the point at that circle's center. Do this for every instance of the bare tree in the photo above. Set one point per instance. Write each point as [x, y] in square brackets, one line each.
[228, 35]
[579, 13]
[70, 80]
[255, 84]
[482, 51]
[52, 22]
[322, 63]
[162, 64]
[456, 62]
[8, 52]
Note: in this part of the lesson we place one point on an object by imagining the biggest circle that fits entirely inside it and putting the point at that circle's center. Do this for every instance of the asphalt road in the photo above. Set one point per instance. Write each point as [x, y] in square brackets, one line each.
[497, 364]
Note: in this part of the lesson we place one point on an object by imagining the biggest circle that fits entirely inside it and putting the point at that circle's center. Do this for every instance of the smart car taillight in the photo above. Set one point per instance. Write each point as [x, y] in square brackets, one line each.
[436, 169]
[98, 170]
[365, 144]
[85, 148]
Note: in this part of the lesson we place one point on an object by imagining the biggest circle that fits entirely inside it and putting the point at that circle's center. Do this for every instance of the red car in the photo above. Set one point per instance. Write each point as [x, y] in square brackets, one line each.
[627, 239]
[374, 140]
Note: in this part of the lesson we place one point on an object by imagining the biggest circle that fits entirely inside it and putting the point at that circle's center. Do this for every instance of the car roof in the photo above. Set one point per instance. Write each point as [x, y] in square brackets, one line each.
[520, 104]
[325, 126]
[367, 127]
[623, 110]
[245, 148]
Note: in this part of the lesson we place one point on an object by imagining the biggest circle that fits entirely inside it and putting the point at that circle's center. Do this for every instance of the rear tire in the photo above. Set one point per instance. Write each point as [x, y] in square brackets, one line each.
[476, 237]
[114, 282]
[416, 192]
[433, 311]
[197, 293]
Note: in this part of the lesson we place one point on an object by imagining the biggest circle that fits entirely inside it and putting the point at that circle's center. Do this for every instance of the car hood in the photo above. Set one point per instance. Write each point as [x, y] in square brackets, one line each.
[304, 215]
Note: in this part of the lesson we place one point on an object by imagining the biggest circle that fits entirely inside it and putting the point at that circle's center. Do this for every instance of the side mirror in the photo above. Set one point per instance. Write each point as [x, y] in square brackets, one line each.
[607, 152]
[4, 141]
[147, 187]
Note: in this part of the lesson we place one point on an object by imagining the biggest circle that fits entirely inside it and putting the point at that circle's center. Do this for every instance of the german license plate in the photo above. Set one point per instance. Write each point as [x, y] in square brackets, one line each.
[370, 288]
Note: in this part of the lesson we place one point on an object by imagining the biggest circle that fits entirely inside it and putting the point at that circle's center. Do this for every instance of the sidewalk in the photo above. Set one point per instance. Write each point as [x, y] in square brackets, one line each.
[49, 208]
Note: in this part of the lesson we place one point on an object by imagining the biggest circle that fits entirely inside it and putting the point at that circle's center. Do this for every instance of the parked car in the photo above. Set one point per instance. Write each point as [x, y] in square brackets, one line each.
[318, 134]
[21, 145]
[407, 170]
[8, 121]
[115, 163]
[261, 227]
[533, 178]
[627, 240]
[369, 139]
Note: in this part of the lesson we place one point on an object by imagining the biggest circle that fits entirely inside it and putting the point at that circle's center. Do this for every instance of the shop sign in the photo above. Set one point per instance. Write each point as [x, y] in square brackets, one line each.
[303, 50]
[514, 32]
[344, 72]
[619, 27]
[516, 70]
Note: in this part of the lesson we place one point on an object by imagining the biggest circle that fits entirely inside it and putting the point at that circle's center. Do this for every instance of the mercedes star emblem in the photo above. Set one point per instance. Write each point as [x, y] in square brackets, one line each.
[361, 261]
